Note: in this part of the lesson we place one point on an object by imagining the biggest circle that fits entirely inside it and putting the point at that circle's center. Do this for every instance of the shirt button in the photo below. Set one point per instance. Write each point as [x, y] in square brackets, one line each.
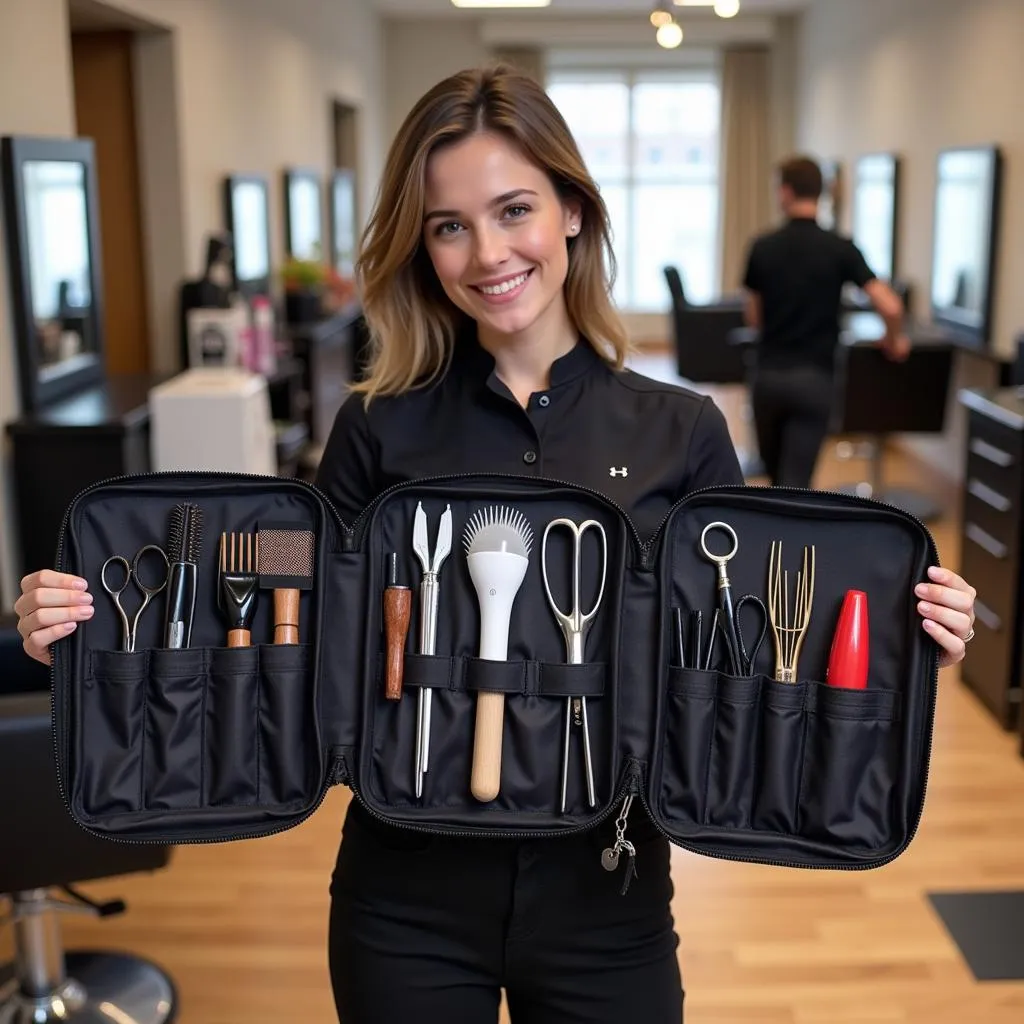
[543, 401]
[529, 458]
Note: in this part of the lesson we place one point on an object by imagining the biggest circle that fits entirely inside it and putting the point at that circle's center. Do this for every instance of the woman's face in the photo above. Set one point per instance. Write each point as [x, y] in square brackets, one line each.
[495, 230]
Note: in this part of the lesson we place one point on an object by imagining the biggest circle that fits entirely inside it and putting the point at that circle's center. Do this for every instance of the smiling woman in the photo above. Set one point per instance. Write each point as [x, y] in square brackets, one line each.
[487, 214]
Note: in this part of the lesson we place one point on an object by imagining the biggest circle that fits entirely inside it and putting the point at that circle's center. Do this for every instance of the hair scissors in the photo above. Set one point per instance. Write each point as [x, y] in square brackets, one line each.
[741, 662]
[131, 574]
[575, 625]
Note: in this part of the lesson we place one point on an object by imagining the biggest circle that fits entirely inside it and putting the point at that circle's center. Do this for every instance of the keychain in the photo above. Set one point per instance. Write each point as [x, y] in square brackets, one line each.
[610, 855]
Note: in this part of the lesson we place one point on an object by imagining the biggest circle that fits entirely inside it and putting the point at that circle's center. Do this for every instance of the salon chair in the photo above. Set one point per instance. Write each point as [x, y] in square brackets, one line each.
[878, 397]
[706, 353]
[43, 853]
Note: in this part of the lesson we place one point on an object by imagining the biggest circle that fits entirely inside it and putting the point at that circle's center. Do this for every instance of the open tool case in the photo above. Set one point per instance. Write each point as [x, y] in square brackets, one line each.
[213, 743]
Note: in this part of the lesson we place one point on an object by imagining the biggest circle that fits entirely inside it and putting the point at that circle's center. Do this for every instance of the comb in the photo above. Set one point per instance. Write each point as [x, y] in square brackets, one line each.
[286, 567]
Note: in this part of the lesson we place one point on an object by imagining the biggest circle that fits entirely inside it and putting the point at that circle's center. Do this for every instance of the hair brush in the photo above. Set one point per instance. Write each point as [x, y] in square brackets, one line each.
[184, 540]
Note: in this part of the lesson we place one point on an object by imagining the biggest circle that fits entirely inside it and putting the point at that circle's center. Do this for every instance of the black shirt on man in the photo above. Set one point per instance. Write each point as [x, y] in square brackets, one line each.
[799, 271]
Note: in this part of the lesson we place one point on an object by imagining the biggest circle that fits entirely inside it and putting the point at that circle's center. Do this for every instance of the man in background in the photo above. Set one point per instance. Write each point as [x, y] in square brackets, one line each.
[794, 280]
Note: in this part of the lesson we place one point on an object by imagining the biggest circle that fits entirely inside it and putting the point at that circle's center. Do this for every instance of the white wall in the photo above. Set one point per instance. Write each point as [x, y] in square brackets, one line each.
[252, 85]
[914, 77]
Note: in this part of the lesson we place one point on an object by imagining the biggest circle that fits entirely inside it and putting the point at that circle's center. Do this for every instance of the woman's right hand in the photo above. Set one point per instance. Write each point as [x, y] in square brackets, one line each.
[50, 607]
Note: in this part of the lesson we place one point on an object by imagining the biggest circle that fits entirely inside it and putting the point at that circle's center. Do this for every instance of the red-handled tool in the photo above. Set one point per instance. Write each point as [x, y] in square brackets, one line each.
[848, 660]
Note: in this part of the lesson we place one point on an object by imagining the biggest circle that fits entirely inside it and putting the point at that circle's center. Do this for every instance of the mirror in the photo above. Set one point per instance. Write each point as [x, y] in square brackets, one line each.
[302, 215]
[52, 229]
[964, 244]
[247, 217]
[876, 211]
[343, 221]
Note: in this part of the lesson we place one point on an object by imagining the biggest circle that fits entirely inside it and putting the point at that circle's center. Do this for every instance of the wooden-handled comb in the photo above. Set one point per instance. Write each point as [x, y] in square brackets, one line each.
[239, 568]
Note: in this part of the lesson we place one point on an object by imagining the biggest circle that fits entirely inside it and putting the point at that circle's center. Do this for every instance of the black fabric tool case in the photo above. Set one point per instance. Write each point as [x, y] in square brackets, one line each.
[212, 743]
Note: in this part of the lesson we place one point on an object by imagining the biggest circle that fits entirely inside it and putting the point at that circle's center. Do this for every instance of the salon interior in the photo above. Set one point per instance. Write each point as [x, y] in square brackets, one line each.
[184, 185]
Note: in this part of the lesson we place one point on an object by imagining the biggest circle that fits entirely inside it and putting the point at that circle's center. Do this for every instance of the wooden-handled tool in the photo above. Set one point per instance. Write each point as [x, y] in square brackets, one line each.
[490, 718]
[286, 567]
[397, 613]
[237, 592]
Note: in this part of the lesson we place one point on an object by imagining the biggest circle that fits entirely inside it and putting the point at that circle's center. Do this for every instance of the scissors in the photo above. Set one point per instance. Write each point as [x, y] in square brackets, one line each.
[131, 573]
[575, 625]
[741, 662]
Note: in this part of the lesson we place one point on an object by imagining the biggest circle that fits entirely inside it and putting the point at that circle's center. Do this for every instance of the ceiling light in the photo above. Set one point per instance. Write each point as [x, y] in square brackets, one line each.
[727, 8]
[501, 3]
[694, 3]
[670, 35]
[660, 16]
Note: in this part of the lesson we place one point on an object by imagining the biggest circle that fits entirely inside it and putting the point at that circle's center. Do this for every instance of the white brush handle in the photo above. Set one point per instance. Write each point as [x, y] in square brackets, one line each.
[497, 576]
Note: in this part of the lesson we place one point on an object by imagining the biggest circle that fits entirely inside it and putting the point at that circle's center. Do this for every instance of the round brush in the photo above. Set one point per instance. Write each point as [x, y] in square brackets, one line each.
[497, 542]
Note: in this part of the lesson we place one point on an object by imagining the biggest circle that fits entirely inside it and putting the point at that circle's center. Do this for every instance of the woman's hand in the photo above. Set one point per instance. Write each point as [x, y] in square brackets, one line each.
[947, 607]
[50, 607]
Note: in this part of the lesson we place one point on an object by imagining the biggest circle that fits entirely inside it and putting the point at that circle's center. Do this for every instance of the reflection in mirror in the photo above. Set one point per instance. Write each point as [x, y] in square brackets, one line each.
[875, 212]
[964, 244]
[302, 215]
[58, 250]
[343, 221]
[248, 220]
[56, 280]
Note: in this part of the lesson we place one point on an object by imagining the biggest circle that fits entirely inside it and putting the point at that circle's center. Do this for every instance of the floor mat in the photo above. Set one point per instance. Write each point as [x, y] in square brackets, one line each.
[988, 928]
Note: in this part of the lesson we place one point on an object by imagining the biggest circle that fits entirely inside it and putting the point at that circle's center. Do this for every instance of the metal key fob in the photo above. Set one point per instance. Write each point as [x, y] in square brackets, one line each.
[610, 858]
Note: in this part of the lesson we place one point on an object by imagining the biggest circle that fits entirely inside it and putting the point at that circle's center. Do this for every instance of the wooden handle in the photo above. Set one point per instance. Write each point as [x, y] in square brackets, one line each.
[238, 638]
[490, 716]
[397, 612]
[286, 616]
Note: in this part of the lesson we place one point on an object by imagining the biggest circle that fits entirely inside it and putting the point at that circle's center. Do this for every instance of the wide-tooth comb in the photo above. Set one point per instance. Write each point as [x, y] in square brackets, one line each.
[239, 566]
[497, 528]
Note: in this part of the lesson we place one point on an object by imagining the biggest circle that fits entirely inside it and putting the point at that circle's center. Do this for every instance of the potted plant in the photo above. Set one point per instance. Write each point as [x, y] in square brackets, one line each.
[304, 282]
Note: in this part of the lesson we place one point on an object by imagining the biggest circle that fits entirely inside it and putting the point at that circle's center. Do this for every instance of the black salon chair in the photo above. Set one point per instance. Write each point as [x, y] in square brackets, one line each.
[706, 353]
[878, 397]
[43, 852]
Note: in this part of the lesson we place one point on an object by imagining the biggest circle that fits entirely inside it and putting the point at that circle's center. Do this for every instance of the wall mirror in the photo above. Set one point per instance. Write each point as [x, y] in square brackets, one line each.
[53, 254]
[343, 221]
[964, 243]
[876, 211]
[303, 219]
[247, 217]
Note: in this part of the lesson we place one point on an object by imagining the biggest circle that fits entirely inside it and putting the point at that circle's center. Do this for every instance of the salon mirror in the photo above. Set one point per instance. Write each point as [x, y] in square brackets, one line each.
[343, 221]
[965, 240]
[247, 217]
[52, 228]
[876, 211]
[303, 214]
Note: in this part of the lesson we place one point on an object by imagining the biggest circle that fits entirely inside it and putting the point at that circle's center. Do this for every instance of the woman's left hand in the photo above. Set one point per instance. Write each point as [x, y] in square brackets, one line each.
[947, 606]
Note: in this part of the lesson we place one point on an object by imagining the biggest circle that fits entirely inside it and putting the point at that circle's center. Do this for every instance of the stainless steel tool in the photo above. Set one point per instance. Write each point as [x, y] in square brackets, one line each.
[429, 593]
[575, 625]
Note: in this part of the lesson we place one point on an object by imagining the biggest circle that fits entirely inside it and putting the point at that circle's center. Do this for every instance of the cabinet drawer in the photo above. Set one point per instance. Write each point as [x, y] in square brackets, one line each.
[990, 511]
[995, 469]
[986, 564]
[988, 666]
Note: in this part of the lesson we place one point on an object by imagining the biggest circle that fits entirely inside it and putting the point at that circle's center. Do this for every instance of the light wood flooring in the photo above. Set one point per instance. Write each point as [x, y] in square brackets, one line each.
[242, 926]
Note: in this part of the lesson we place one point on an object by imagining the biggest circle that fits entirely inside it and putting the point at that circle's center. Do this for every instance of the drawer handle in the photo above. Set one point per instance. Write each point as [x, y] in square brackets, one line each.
[986, 494]
[986, 616]
[991, 452]
[986, 541]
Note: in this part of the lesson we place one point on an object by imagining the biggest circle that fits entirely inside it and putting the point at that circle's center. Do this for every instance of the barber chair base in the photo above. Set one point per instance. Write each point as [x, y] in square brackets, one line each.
[100, 988]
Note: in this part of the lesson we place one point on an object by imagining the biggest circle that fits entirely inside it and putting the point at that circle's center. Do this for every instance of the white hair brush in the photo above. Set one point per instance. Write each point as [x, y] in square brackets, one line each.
[497, 541]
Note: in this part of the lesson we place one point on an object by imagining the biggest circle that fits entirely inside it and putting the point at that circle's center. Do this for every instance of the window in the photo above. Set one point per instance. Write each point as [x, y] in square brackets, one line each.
[650, 139]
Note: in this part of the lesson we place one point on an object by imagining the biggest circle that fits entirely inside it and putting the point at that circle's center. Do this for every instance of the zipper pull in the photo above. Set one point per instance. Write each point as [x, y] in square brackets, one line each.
[610, 856]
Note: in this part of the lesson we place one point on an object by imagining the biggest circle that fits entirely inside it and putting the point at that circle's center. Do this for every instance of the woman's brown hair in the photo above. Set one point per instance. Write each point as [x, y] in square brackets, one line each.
[412, 323]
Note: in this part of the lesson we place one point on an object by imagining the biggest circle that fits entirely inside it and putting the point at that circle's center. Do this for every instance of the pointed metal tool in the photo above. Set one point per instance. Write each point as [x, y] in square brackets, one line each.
[429, 593]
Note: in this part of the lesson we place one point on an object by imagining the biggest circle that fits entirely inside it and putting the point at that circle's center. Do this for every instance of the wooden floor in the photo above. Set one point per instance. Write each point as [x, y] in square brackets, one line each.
[242, 926]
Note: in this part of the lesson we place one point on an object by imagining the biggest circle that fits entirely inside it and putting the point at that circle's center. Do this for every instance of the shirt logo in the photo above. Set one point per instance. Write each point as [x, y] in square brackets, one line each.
[612, 471]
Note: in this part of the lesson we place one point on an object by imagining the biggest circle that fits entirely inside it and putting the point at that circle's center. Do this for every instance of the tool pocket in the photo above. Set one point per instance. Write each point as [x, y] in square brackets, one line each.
[112, 732]
[232, 727]
[287, 729]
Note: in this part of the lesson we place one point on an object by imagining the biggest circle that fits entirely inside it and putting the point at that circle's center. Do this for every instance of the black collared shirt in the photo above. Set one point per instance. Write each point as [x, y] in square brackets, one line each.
[799, 272]
[643, 443]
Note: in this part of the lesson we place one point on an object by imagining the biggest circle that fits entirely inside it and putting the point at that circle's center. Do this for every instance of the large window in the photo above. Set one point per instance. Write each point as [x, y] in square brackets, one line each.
[650, 139]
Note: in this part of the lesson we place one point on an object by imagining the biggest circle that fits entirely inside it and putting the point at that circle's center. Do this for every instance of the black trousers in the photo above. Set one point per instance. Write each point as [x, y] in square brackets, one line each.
[792, 408]
[433, 927]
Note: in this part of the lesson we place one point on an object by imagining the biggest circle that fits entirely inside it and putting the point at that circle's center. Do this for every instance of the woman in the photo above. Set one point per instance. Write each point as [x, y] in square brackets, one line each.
[497, 349]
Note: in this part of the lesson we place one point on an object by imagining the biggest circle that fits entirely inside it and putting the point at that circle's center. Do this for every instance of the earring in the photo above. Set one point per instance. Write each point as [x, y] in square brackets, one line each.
[574, 228]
